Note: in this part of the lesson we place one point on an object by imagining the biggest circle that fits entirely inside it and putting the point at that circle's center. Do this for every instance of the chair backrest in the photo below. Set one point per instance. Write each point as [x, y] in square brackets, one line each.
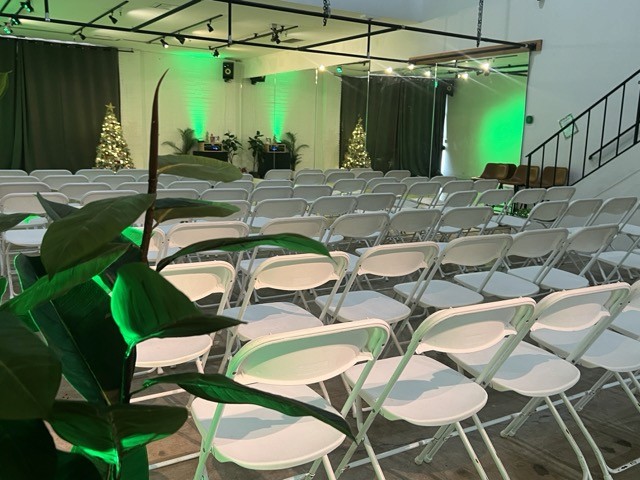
[198, 185]
[183, 234]
[554, 176]
[104, 194]
[413, 221]
[456, 186]
[421, 192]
[398, 174]
[494, 198]
[579, 212]
[189, 193]
[560, 193]
[28, 202]
[92, 173]
[241, 214]
[408, 181]
[545, 213]
[358, 170]
[198, 280]
[41, 174]
[349, 186]
[484, 184]
[374, 202]
[309, 179]
[397, 188]
[223, 194]
[136, 172]
[538, 243]
[396, 260]
[163, 179]
[23, 187]
[463, 198]
[360, 225]
[331, 206]
[367, 175]
[628, 320]
[304, 171]
[270, 193]
[578, 309]
[280, 208]
[465, 218]
[333, 177]
[371, 184]
[75, 191]
[442, 180]
[140, 187]
[279, 174]
[614, 210]
[312, 227]
[311, 192]
[10, 172]
[56, 181]
[591, 239]
[242, 184]
[474, 251]
[18, 178]
[528, 196]
[114, 180]
[274, 182]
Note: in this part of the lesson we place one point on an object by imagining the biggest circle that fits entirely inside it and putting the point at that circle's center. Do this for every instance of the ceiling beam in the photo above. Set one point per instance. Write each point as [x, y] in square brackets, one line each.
[103, 15]
[482, 52]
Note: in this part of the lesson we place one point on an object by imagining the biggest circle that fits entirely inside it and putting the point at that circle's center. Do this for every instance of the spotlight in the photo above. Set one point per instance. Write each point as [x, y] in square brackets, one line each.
[27, 6]
[209, 27]
[464, 76]
[388, 70]
[427, 73]
[411, 66]
[180, 38]
[321, 68]
[164, 43]
[7, 28]
[82, 35]
[113, 19]
[214, 52]
[339, 69]
[275, 33]
[15, 20]
[485, 66]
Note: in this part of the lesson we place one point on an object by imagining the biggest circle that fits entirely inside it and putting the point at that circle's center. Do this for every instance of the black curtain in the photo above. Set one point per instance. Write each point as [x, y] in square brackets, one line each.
[51, 115]
[404, 120]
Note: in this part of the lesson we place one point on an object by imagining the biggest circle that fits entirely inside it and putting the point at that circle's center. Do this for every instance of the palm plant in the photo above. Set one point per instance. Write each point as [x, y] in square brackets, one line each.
[189, 142]
[290, 139]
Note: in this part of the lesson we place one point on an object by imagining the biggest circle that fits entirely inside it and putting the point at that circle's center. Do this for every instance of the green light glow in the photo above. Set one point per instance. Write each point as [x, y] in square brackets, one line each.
[500, 131]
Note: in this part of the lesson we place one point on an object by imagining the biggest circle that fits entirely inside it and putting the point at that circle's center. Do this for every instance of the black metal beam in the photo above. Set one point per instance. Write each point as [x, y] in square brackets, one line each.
[351, 37]
[187, 27]
[165, 15]
[100, 16]
[6, 3]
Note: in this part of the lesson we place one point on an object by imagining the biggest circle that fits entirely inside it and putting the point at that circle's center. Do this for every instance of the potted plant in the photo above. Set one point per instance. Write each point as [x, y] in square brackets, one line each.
[188, 139]
[256, 145]
[231, 144]
[290, 139]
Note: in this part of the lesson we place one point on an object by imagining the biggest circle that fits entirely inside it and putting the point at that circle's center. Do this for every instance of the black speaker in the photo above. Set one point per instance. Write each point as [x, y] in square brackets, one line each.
[227, 71]
[448, 88]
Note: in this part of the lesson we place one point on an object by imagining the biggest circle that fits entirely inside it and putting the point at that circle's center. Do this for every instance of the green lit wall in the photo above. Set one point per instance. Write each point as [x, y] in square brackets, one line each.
[485, 121]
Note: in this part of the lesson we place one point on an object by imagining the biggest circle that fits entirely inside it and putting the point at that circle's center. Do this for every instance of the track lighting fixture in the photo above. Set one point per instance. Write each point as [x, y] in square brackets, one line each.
[27, 6]
[164, 43]
[7, 29]
[411, 66]
[216, 53]
[209, 27]
[113, 19]
[82, 35]
[15, 20]
[180, 38]
[427, 73]
[275, 33]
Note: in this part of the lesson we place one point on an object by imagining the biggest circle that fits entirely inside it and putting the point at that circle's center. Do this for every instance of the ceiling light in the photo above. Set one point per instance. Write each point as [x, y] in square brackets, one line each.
[113, 19]
[427, 73]
[15, 20]
[339, 69]
[411, 66]
[388, 70]
[464, 76]
[485, 66]
[214, 52]
[27, 6]
[164, 43]
[209, 27]
[7, 28]
[322, 68]
[82, 35]
[180, 38]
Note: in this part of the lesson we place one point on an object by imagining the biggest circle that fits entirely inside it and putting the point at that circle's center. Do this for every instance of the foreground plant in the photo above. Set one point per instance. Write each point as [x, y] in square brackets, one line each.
[92, 297]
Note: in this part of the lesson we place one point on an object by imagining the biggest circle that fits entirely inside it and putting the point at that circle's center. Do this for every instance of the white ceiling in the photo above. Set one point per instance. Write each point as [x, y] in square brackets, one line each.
[247, 22]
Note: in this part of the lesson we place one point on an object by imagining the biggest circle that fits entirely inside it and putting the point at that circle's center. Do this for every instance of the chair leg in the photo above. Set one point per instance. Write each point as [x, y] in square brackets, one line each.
[434, 445]
[490, 447]
[593, 391]
[472, 454]
[511, 429]
[628, 391]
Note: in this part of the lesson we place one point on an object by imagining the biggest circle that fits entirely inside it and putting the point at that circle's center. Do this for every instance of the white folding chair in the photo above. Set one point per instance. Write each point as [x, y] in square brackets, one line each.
[485, 184]
[420, 194]
[311, 192]
[473, 251]
[463, 198]
[366, 227]
[189, 193]
[75, 191]
[357, 170]
[537, 374]
[269, 193]
[56, 181]
[114, 180]
[139, 187]
[304, 171]
[397, 188]
[408, 225]
[452, 187]
[367, 175]
[278, 174]
[224, 194]
[614, 210]
[18, 178]
[442, 180]
[138, 173]
[579, 213]
[398, 174]
[104, 194]
[541, 215]
[375, 202]
[309, 179]
[274, 182]
[459, 221]
[42, 173]
[348, 186]
[10, 172]
[182, 235]
[332, 177]
[243, 209]
[388, 261]
[247, 185]
[332, 207]
[425, 392]
[286, 364]
[525, 198]
[371, 184]
[628, 320]
[559, 193]
[92, 173]
[198, 185]
[23, 187]
[266, 210]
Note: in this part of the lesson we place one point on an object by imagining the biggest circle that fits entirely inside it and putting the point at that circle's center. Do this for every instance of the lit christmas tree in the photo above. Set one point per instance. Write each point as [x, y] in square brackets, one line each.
[112, 151]
[357, 156]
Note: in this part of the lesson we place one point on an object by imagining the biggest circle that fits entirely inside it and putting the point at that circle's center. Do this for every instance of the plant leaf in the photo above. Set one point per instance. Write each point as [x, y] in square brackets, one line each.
[79, 328]
[30, 373]
[46, 288]
[202, 168]
[172, 208]
[134, 464]
[74, 466]
[106, 433]
[146, 305]
[290, 241]
[10, 220]
[27, 450]
[220, 389]
[3, 286]
[55, 210]
[83, 233]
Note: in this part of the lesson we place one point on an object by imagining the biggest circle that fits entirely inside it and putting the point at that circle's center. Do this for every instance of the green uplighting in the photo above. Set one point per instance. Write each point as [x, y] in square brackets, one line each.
[500, 131]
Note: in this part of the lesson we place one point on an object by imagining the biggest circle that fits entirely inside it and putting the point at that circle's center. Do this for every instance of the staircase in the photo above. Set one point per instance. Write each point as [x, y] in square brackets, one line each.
[597, 136]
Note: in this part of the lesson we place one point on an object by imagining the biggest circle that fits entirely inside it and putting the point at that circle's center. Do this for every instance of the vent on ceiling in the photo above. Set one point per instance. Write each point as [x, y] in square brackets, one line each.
[291, 40]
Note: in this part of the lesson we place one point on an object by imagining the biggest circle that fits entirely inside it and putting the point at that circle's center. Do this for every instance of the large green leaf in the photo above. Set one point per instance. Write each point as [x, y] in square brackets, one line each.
[290, 241]
[56, 210]
[30, 373]
[27, 450]
[74, 466]
[220, 389]
[146, 305]
[107, 433]
[10, 220]
[134, 464]
[79, 328]
[172, 208]
[77, 236]
[202, 168]
[46, 288]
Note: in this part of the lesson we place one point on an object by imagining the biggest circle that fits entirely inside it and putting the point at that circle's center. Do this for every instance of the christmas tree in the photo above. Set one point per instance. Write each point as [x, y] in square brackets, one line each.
[357, 156]
[112, 151]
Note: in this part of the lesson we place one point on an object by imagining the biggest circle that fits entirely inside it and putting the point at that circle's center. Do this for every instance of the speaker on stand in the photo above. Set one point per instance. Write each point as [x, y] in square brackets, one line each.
[227, 71]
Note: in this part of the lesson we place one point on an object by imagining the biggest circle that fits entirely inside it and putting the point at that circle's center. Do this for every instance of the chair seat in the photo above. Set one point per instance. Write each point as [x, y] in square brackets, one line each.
[163, 352]
[615, 257]
[427, 393]
[529, 370]
[556, 279]
[366, 304]
[25, 237]
[513, 222]
[501, 285]
[270, 318]
[262, 439]
[611, 350]
[628, 323]
[441, 294]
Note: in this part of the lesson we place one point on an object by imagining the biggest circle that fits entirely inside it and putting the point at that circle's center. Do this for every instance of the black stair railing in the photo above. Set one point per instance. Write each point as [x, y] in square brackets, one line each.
[584, 144]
